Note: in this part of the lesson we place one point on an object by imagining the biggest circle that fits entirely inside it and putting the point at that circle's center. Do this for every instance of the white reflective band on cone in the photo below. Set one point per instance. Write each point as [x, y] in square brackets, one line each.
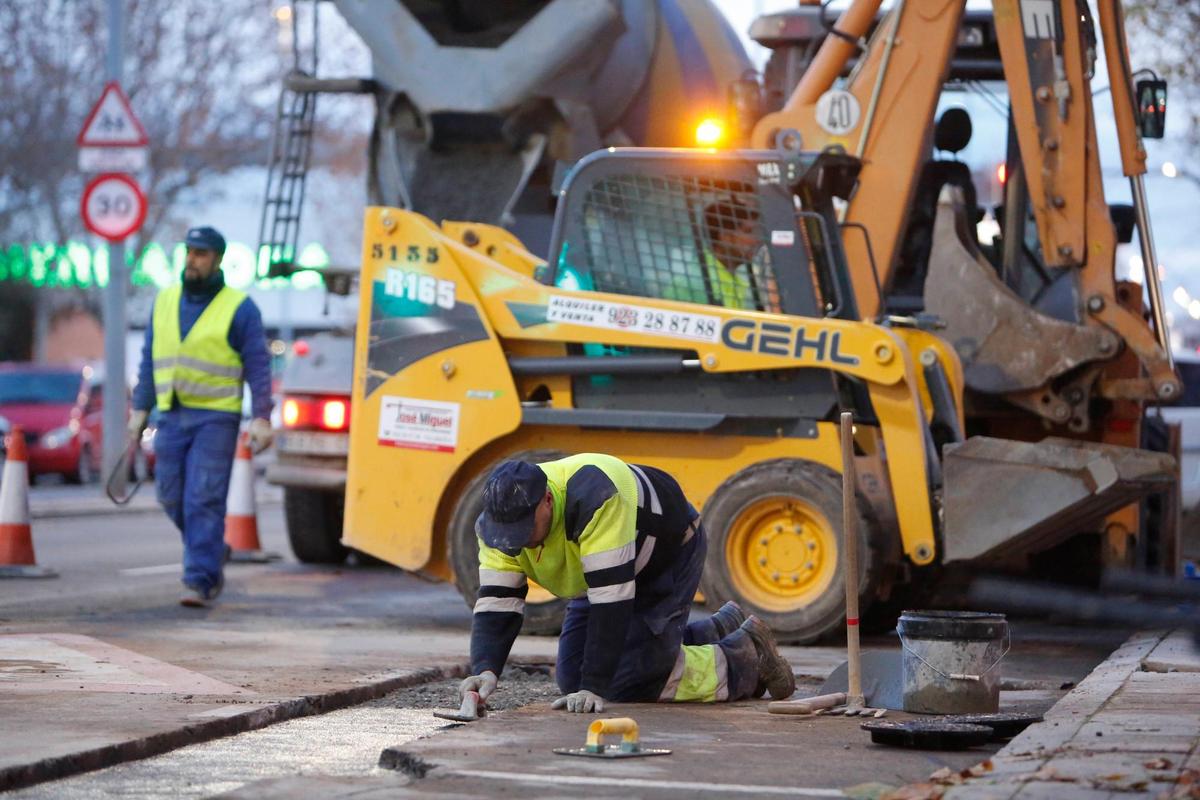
[14, 493]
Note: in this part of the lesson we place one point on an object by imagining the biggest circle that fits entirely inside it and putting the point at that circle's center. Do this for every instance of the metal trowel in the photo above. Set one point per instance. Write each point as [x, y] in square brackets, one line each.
[472, 708]
[882, 680]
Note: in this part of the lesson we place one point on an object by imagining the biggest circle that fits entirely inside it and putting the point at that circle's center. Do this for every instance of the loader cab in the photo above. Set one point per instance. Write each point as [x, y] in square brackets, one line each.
[749, 230]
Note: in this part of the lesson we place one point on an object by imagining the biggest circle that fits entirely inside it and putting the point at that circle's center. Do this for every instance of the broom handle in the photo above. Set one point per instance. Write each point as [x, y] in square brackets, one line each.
[850, 539]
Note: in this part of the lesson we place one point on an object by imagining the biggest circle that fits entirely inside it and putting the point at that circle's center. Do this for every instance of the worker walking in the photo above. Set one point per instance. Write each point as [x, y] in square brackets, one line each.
[203, 340]
[624, 543]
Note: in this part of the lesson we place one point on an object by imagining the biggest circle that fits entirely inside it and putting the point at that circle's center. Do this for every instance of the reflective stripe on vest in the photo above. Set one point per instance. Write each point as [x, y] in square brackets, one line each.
[202, 370]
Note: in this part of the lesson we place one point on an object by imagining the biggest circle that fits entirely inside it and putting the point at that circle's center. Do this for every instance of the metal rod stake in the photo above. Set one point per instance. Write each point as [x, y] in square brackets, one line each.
[854, 692]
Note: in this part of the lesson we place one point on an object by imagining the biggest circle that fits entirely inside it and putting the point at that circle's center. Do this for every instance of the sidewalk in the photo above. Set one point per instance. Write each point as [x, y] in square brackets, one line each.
[1130, 729]
[285, 642]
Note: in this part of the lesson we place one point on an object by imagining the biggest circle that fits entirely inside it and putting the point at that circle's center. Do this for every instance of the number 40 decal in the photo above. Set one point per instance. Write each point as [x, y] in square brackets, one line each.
[837, 112]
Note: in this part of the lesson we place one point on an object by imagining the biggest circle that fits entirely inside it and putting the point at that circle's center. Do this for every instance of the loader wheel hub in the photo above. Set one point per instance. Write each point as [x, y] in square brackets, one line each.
[782, 553]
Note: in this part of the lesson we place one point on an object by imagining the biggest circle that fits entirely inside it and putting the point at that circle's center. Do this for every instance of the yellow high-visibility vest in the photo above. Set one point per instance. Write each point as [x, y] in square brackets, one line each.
[202, 370]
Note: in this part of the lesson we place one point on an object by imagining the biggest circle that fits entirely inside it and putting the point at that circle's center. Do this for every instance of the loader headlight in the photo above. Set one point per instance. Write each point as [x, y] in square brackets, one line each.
[710, 132]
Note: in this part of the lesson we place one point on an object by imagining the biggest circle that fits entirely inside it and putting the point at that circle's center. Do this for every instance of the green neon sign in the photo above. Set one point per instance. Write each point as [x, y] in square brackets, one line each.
[76, 265]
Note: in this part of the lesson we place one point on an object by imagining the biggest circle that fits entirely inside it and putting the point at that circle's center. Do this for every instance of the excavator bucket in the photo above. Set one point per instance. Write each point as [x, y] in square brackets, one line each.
[1003, 496]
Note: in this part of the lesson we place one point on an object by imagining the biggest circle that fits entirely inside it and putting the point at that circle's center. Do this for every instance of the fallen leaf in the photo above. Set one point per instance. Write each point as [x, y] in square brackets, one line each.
[916, 791]
[1047, 774]
[1157, 763]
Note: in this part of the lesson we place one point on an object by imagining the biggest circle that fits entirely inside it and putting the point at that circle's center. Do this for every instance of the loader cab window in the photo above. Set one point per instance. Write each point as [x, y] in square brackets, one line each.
[685, 238]
[720, 230]
[697, 229]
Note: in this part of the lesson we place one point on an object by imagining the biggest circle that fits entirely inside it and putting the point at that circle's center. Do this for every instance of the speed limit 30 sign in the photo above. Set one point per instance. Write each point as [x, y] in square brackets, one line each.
[113, 206]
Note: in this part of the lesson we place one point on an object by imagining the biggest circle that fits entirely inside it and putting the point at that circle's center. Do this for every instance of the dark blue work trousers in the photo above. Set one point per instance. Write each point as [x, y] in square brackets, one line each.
[193, 452]
[657, 631]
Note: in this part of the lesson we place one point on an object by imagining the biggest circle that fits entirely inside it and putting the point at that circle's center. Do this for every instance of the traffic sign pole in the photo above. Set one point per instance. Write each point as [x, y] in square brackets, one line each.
[116, 402]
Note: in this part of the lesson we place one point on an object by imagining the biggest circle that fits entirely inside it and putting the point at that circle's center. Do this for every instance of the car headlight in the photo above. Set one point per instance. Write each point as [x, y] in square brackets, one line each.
[59, 437]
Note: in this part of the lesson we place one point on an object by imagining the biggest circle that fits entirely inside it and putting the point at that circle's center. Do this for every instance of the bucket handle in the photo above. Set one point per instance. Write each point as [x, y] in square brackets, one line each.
[958, 676]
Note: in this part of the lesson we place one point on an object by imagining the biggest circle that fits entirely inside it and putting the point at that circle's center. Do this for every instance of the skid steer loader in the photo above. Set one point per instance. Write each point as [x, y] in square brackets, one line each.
[697, 313]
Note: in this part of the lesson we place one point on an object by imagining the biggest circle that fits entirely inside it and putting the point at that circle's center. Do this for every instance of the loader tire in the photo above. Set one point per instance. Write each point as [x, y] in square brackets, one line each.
[775, 533]
[314, 524]
[543, 611]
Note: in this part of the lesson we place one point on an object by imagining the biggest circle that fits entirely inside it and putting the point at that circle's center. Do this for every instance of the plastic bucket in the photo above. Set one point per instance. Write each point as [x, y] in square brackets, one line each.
[951, 661]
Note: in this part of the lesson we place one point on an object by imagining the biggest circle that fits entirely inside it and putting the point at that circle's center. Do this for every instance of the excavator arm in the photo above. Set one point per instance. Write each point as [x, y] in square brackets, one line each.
[883, 111]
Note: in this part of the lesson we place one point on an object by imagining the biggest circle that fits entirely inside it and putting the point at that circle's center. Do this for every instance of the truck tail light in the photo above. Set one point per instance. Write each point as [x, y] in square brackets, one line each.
[306, 412]
[291, 412]
[333, 415]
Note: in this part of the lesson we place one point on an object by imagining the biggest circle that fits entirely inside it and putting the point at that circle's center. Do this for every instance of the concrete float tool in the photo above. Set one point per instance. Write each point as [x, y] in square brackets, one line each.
[472, 708]
[629, 747]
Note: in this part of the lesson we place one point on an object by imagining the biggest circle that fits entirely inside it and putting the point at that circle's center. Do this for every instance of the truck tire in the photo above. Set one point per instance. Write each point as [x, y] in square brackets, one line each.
[775, 532]
[314, 524]
[543, 611]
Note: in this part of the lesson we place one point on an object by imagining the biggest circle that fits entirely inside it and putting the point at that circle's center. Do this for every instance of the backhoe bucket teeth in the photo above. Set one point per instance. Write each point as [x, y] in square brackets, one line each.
[1002, 497]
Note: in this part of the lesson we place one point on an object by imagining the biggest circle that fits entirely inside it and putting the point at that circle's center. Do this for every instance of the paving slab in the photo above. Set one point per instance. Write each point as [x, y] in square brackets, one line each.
[1176, 653]
[1130, 729]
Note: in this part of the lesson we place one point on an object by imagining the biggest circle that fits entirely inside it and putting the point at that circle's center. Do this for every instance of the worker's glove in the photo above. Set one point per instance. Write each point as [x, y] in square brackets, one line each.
[581, 702]
[137, 423]
[261, 435]
[484, 683]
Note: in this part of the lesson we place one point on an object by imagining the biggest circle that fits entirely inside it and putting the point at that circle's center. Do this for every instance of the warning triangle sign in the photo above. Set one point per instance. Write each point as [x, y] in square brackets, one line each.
[112, 122]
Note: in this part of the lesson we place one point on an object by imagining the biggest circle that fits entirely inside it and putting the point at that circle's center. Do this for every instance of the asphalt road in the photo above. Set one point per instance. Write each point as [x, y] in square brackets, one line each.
[111, 562]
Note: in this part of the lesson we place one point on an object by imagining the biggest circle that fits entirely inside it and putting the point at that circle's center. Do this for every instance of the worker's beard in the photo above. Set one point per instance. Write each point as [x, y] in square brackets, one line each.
[194, 284]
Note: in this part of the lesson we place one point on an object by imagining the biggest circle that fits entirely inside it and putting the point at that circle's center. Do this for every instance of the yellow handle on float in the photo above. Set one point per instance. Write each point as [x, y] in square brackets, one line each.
[622, 725]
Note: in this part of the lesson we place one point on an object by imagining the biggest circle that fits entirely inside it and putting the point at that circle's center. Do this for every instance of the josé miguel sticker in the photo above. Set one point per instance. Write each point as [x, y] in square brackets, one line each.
[418, 424]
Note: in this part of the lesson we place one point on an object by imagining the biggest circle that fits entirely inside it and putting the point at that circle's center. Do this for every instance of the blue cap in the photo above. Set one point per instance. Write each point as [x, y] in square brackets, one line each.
[205, 238]
[510, 499]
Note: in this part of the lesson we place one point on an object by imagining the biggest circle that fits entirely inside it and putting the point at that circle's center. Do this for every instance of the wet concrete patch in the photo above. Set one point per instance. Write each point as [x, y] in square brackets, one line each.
[520, 685]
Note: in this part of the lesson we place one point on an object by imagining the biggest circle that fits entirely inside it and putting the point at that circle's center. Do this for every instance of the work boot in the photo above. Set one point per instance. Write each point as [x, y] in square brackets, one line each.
[728, 619]
[773, 669]
[193, 598]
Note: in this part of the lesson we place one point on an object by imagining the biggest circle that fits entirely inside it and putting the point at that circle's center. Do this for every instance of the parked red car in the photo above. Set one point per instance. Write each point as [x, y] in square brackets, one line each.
[59, 409]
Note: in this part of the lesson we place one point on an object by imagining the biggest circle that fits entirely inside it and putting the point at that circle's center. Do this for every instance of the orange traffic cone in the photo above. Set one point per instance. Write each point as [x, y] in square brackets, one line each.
[16, 538]
[241, 517]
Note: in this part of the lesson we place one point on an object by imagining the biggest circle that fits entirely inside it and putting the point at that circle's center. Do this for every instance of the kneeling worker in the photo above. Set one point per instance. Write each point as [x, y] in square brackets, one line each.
[626, 545]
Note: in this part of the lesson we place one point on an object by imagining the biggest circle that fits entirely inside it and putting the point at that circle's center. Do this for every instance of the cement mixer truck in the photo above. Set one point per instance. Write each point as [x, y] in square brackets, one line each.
[480, 108]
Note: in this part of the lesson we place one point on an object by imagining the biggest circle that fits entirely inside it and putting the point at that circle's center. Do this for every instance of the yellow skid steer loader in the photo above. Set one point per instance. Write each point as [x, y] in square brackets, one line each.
[697, 314]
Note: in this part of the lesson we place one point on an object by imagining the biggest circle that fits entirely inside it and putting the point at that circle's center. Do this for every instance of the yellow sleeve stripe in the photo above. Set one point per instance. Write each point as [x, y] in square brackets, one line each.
[610, 558]
[610, 594]
[501, 577]
[514, 605]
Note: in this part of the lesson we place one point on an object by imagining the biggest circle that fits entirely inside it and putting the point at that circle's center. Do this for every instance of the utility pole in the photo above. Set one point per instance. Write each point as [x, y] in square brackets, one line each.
[115, 388]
